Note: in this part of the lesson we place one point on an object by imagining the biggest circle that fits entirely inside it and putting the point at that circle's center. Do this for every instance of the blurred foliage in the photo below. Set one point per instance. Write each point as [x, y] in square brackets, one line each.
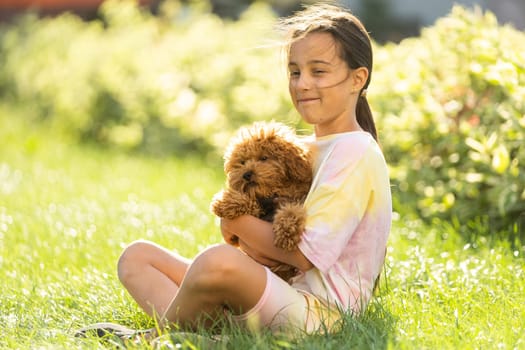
[234, 8]
[177, 82]
[450, 104]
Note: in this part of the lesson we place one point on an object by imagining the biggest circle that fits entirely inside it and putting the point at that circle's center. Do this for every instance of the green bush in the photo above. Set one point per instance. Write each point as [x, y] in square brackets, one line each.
[179, 82]
[451, 106]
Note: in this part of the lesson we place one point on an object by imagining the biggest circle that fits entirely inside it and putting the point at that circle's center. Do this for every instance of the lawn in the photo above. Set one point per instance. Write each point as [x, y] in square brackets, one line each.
[67, 211]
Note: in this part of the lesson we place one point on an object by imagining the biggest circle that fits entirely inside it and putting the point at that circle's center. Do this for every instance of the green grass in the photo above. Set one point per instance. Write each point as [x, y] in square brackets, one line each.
[67, 211]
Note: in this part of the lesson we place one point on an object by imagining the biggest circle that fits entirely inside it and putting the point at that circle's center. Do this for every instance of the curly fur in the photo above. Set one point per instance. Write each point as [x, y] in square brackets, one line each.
[269, 174]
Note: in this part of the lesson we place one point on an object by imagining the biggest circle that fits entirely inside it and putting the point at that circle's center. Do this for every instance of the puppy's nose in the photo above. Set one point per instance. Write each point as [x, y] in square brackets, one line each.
[247, 175]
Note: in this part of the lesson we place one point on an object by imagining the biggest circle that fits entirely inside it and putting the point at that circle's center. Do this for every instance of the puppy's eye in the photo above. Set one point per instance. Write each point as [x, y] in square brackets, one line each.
[263, 158]
[242, 162]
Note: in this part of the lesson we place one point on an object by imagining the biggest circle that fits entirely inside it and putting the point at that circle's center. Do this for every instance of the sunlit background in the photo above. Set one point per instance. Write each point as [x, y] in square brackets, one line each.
[387, 20]
[173, 78]
[114, 118]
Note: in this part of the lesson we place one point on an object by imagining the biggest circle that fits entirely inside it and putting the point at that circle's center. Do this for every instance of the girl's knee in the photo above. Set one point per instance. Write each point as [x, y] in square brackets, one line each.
[134, 254]
[220, 257]
[216, 267]
[225, 275]
[135, 250]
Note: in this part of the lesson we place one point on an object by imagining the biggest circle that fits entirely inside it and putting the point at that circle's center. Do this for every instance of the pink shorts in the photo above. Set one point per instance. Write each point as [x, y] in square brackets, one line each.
[283, 308]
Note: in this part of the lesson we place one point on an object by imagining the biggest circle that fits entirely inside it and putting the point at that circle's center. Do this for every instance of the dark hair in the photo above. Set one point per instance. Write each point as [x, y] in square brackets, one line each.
[352, 40]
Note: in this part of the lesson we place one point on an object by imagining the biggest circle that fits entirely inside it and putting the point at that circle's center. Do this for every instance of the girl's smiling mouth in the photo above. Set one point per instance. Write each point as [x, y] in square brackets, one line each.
[307, 100]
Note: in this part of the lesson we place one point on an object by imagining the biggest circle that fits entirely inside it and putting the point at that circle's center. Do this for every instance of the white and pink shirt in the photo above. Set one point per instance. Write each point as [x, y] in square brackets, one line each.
[349, 210]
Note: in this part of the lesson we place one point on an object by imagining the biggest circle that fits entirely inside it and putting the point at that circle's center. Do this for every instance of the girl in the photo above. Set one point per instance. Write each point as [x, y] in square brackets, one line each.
[349, 207]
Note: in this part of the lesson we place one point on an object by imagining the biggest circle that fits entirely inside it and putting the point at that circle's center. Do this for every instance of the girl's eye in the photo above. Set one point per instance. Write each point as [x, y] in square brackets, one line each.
[318, 71]
[294, 73]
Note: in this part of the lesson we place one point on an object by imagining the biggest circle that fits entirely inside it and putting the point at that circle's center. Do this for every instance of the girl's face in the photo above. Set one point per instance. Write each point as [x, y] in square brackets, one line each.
[323, 89]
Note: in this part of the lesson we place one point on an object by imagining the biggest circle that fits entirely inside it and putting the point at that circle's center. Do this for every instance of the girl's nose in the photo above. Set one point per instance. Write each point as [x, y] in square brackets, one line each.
[303, 82]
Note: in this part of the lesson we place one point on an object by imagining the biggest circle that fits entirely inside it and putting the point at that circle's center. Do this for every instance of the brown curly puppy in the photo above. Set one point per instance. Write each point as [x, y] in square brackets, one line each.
[268, 173]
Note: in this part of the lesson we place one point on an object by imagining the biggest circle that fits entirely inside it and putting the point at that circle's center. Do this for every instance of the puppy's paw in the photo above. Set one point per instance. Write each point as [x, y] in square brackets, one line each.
[288, 226]
[232, 204]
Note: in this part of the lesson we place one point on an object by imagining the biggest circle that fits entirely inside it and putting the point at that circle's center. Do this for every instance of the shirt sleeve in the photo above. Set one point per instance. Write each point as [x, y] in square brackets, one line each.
[335, 206]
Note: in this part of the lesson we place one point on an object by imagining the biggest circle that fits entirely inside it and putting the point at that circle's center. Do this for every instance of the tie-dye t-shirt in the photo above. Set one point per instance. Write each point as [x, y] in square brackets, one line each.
[349, 210]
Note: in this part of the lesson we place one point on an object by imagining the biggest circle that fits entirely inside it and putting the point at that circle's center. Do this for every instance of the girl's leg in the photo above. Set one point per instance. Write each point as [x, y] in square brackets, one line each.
[152, 275]
[219, 277]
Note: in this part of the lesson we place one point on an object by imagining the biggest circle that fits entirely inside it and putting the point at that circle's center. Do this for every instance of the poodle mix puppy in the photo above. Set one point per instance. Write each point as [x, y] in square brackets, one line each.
[268, 175]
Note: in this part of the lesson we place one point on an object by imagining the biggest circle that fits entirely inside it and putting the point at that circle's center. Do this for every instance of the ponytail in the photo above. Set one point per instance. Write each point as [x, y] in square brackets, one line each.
[364, 116]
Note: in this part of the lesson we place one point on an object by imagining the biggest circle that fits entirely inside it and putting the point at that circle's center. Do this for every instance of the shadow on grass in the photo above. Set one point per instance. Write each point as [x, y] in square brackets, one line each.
[369, 331]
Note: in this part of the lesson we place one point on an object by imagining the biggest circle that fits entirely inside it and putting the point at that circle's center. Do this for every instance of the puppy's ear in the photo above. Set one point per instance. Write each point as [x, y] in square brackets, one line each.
[299, 165]
[234, 149]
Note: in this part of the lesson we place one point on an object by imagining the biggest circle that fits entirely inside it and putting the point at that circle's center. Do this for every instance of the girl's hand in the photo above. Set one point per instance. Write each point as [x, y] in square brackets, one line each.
[232, 239]
[255, 237]
[228, 236]
[256, 255]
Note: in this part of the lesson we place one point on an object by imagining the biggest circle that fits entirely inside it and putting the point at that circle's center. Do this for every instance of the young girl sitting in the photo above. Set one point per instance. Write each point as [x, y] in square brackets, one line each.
[342, 250]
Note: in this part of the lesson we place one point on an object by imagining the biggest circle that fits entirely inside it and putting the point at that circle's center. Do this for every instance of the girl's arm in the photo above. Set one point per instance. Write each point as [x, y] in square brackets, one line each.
[255, 236]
